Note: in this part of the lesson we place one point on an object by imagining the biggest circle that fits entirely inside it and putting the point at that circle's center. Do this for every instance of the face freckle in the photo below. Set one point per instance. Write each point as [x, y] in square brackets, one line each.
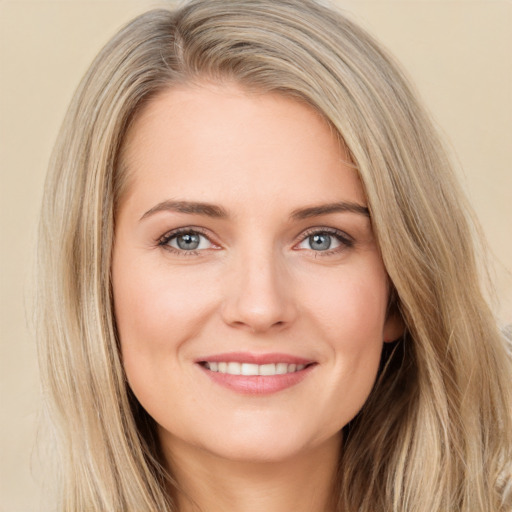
[250, 296]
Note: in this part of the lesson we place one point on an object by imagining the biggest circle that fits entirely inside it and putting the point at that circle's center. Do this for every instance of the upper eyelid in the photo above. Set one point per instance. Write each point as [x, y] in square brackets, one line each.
[331, 231]
[179, 231]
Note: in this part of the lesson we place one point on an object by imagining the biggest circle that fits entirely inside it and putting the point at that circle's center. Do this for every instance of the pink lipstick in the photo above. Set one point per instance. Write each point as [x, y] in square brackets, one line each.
[256, 374]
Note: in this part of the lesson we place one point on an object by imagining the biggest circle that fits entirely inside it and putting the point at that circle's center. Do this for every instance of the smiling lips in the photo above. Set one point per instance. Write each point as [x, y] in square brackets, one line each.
[256, 374]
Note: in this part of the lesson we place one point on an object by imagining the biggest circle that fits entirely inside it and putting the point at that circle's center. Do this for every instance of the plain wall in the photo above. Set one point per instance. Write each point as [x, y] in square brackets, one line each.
[457, 52]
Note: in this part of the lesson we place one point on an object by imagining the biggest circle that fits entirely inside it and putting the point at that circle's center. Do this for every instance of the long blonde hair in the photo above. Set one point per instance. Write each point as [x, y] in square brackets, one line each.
[436, 432]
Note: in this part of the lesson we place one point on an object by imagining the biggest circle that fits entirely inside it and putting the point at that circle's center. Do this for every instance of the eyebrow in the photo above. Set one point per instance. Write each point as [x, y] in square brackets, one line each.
[325, 209]
[212, 210]
[191, 207]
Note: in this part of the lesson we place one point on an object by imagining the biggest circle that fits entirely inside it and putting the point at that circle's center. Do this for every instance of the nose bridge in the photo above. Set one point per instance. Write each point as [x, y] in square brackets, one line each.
[258, 295]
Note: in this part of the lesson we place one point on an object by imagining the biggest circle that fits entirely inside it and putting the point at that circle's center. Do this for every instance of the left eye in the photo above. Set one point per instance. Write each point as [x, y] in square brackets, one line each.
[189, 241]
[320, 242]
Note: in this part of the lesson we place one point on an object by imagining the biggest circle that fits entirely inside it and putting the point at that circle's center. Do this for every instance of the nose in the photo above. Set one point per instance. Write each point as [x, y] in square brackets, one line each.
[258, 295]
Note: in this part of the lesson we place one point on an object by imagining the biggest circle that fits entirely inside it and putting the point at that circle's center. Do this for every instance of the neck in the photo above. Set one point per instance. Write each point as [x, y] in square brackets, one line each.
[208, 483]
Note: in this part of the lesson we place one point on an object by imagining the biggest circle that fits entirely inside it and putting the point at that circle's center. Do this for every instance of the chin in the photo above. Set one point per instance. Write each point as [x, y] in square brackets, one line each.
[270, 444]
[264, 451]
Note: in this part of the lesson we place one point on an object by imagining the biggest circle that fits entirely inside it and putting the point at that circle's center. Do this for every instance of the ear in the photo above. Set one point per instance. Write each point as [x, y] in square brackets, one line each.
[394, 326]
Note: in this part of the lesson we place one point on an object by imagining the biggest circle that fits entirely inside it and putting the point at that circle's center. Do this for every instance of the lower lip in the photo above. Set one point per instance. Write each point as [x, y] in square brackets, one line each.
[258, 384]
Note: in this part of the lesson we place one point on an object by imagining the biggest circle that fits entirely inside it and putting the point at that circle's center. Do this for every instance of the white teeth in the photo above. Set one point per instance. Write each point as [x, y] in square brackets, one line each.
[233, 368]
[267, 369]
[281, 368]
[249, 369]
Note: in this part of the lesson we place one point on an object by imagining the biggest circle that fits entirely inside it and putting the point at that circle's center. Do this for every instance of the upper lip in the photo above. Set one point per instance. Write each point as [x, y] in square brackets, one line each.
[259, 359]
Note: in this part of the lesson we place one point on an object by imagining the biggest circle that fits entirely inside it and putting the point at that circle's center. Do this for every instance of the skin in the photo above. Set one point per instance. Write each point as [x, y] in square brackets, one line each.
[255, 284]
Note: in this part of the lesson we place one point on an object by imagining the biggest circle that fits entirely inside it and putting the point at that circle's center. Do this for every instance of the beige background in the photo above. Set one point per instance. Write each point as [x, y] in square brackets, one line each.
[457, 52]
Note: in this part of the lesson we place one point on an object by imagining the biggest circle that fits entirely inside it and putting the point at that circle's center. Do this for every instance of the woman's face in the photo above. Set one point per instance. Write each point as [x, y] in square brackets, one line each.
[250, 295]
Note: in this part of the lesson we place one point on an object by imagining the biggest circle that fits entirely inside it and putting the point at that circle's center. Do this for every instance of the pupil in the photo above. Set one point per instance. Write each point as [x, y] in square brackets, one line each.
[188, 241]
[320, 242]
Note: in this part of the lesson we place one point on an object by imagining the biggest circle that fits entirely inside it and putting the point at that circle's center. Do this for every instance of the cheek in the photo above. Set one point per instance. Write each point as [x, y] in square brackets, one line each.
[153, 303]
[348, 311]
[355, 320]
[349, 305]
[157, 311]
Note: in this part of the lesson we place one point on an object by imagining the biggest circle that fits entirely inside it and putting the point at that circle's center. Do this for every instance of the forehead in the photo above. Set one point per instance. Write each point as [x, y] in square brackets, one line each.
[211, 139]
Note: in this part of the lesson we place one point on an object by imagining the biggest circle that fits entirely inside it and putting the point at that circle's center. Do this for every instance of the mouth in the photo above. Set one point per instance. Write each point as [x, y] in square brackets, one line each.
[251, 369]
[256, 374]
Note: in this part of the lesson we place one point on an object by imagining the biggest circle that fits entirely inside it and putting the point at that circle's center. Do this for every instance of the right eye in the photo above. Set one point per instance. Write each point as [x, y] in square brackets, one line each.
[185, 241]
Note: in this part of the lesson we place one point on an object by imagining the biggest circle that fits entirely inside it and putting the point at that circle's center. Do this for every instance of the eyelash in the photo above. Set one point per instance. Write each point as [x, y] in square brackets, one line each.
[164, 241]
[345, 240]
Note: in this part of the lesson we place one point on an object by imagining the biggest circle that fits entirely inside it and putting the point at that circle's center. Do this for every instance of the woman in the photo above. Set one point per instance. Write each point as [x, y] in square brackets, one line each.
[261, 288]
